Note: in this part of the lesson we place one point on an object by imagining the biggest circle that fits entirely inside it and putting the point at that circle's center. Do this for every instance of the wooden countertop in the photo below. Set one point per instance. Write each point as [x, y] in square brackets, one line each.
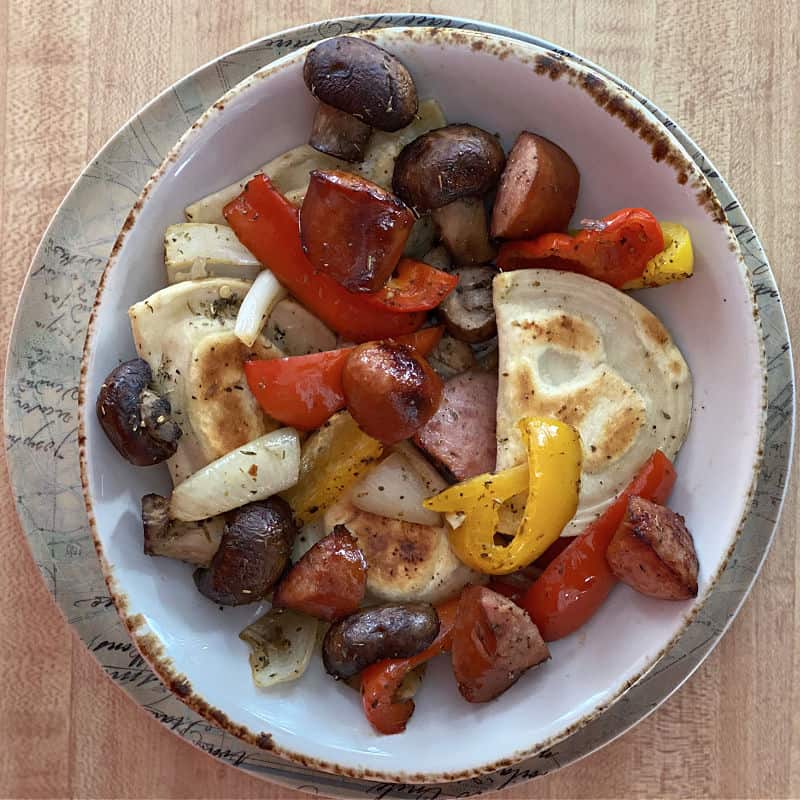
[72, 72]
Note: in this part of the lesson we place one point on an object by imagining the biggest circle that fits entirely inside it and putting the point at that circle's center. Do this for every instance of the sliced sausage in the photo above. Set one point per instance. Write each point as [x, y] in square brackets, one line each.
[374, 634]
[353, 229]
[538, 190]
[329, 581]
[390, 389]
[460, 437]
[653, 552]
[252, 556]
[494, 642]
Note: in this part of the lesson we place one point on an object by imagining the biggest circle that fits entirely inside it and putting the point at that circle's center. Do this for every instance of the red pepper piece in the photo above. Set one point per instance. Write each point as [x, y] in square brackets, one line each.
[615, 251]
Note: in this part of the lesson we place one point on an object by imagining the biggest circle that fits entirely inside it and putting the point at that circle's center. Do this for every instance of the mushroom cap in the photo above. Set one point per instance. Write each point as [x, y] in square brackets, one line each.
[362, 79]
[136, 420]
[446, 164]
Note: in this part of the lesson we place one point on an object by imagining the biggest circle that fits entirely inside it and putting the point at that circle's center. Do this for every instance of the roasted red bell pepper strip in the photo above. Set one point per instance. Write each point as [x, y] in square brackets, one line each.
[265, 222]
[303, 391]
[381, 681]
[614, 250]
[576, 583]
[415, 286]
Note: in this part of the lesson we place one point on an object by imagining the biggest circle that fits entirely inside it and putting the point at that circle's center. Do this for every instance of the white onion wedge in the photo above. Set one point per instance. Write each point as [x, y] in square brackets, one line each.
[254, 471]
[281, 644]
[256, 307]
[394, 489]
[434, 482]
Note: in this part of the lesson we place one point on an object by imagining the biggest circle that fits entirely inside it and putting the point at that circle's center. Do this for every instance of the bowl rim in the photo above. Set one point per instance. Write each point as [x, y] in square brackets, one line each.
[529, 39]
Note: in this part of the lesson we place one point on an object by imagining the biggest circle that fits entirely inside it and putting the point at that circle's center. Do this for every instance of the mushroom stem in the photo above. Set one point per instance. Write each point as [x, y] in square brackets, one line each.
[339, 134]
[193, 542]
[464, 230]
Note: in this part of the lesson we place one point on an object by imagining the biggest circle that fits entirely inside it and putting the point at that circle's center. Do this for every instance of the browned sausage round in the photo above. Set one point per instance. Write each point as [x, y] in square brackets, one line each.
[391, 391]
[387, 631]
[461, 435]
[538, 189]
[252, 556]
[494, 642]
[653, 552]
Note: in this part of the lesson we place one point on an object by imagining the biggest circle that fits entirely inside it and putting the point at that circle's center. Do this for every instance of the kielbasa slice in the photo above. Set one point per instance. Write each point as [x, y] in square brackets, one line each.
[538, 190]
[329, 581]
[653, 552]
[494, 642]
[460, 437]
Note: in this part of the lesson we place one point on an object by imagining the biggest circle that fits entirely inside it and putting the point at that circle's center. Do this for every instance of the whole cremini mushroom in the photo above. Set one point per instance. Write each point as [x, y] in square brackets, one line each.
[448, 171]
[360, 87]
[134, 417]
[253, 554]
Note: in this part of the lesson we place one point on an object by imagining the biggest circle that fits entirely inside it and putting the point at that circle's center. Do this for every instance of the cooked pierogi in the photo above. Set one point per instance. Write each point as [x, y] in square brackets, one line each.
[576, 349]
[185, 333]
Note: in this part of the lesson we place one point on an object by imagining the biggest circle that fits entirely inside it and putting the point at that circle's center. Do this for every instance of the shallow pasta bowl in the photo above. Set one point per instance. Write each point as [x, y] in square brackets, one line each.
[626, 158]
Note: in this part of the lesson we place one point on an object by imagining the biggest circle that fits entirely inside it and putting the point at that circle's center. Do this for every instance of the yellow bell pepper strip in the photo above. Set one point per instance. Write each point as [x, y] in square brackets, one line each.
[674, 263]
[332, 459]
[551, 477]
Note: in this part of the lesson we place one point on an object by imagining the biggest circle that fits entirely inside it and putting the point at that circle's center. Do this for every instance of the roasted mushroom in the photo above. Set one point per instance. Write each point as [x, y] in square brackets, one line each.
[360, 86]
[374, 634]
[252, 556]
[448, 171]
[136, 419]
[468, 311]
[438, 257]
[339, 134]
[193, 542]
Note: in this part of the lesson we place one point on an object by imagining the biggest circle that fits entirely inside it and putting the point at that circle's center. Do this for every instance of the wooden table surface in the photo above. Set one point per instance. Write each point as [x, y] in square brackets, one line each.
[72, 72]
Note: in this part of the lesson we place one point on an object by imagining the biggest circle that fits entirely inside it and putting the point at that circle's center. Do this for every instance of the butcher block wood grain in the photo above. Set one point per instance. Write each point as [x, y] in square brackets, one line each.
[72, 72]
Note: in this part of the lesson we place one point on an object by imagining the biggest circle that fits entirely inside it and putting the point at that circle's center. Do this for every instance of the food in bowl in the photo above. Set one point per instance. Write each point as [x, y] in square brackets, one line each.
[399, 397]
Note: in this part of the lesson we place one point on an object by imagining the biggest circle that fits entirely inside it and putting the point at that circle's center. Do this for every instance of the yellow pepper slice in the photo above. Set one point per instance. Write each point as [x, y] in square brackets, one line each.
[332, 459]
[674, 263]
[551, 477]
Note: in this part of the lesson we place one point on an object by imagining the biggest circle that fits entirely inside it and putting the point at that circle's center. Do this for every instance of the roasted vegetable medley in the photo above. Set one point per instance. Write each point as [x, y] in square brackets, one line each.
[405, 398]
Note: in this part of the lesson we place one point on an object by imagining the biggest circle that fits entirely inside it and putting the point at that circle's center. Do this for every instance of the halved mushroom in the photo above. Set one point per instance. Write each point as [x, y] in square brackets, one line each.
[448, 171]
[136, 420]
[360, 86]
[193, 542]
[468, 312]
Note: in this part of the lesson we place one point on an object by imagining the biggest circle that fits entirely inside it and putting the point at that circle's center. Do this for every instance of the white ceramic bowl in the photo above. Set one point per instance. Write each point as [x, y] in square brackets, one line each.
[626, 158]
